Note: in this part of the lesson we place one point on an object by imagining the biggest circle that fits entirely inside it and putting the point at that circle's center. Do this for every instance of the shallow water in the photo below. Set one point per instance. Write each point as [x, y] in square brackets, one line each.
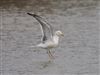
[77, 54]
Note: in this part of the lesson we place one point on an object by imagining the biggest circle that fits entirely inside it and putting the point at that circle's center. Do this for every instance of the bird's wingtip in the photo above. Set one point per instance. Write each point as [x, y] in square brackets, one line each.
[28, 13]
[32, 14]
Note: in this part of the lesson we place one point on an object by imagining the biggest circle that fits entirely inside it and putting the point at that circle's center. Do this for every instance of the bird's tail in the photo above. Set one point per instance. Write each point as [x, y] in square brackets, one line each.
[37, 46]
[33, 46]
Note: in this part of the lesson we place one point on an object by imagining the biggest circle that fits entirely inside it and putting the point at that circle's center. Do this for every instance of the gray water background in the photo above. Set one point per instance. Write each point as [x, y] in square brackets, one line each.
[78, 51]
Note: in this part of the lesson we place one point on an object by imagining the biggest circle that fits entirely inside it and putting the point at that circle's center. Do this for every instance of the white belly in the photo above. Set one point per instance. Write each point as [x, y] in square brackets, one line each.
[47, 44]
[51, 44]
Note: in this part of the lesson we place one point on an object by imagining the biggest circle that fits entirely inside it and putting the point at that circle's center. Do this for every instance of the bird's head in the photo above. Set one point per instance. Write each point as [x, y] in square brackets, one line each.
[59, 33]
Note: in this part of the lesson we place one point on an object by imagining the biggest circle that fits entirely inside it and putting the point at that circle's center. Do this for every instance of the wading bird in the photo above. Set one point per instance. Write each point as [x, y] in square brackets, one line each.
[49, 39]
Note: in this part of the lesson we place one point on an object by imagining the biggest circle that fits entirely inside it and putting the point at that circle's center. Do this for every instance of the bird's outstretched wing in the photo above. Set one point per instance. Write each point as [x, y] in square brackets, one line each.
[47, 31]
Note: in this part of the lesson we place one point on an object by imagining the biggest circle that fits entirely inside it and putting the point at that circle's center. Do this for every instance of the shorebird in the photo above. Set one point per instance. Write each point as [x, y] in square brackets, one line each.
[49, 39]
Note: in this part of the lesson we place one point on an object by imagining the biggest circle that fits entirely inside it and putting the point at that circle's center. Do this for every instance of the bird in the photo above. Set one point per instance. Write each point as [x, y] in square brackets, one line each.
[49, 38]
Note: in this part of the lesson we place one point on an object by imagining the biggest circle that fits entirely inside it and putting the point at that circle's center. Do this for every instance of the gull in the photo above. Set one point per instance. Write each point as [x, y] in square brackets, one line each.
[49, 39]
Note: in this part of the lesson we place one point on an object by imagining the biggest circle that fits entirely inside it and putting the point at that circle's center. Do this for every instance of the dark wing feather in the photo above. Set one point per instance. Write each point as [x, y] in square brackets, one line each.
[45, 27]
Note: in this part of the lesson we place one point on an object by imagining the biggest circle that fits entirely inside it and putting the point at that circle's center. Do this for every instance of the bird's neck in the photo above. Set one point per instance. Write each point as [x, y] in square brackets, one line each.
[56, 39]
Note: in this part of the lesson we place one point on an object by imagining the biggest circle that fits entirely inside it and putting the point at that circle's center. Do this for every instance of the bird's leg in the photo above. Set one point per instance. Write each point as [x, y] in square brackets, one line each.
[50, 54]
[53, 51]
